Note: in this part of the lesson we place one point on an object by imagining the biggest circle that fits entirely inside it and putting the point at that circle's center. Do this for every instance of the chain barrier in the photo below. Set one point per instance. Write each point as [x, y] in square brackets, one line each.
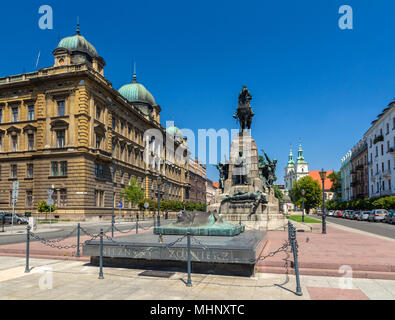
[49, 244]
[145, 228]
[92, 234]
[284, 248]
[60, 239]
[127, 231]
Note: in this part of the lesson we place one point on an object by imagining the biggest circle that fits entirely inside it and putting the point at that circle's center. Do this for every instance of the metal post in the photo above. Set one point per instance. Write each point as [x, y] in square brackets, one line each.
[303, 209]
[158, 205]
[27, 269]
[12, 218]
[189, 282]
[323, 208]
[296, 266]
[78, 240]
[3, 222]
[113, 214]
[50, 221]
[137, 226]
[101, 255]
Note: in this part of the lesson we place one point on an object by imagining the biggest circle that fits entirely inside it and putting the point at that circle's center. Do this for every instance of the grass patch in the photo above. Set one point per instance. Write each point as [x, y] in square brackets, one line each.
[306, 219]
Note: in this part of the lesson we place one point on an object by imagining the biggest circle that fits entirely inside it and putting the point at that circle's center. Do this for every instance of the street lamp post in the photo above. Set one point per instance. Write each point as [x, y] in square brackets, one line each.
[303, 193]
[159, 181]
[323, 176]
[112, 168]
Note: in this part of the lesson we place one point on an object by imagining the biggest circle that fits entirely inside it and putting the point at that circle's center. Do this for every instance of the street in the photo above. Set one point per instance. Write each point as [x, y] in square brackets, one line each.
[64, 229]
[378, 228]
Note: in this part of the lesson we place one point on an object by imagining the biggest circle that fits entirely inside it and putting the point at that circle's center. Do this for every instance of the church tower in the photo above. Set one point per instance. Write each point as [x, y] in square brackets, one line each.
[301, 166]
[289, 171]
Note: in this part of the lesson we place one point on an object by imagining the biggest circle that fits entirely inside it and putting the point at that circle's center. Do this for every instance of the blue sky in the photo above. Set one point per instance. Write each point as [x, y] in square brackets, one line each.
[309, 79]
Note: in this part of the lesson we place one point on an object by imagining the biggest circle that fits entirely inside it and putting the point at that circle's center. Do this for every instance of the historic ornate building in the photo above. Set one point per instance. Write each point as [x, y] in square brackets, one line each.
[360, 170]
[66, 128]
[197, 182]
[295, 171]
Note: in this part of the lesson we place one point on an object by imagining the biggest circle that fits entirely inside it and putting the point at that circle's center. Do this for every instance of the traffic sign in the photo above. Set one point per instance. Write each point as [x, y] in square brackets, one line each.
[50, 202]
[15, 189]
[120, 204]
[146, 205]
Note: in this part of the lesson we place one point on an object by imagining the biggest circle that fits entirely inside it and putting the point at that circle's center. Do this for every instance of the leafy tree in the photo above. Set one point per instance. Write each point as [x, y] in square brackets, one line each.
[335, 178]
[42, 207]
[313, 193]
[278, 193]
[133, 193]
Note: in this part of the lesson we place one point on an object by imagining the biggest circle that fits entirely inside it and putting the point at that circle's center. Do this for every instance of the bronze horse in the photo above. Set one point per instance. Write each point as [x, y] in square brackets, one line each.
[244, 111]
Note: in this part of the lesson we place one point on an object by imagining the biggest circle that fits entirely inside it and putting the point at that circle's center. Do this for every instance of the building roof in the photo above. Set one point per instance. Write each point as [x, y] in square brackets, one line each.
[78, 43]
[216, 185]
[316, 176]
[136, 92]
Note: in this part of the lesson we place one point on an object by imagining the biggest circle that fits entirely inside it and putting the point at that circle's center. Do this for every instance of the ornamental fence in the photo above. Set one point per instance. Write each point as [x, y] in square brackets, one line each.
[291, 244]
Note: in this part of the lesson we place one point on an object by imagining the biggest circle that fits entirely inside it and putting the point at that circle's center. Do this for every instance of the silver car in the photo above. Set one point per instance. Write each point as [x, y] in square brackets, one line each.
[377, 215]
[363, 216]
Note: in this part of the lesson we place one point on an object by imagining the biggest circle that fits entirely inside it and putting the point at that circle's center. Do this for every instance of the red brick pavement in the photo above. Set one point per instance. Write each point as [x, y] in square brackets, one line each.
[317, 293]
[323, 255]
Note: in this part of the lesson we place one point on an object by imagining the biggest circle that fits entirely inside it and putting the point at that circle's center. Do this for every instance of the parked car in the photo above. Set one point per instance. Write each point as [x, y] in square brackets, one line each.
[354, 215]
[339, 213]
[390, 217]
[7, 218]
[319, 212]
[347, 214]
[363, 216]
[331, 213]
[377, 215]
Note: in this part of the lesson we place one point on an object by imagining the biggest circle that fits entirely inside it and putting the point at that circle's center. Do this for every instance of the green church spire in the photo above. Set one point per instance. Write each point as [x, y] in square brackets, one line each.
[291, 161]
[300, 153]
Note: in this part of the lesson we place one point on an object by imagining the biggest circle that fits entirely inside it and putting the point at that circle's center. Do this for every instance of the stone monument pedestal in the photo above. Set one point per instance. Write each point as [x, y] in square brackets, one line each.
[265, 216]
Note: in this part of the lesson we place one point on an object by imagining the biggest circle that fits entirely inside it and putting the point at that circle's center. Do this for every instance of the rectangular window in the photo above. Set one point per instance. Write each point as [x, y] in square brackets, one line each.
[29, 198]
[62, 198]
[98, 140]
[29, 170]
[15, 114]
[99, 198]
[63, 168]
[98, 113]
[60, 137]
[14, 143]
[1, 143]
[54, 169]
[382, 167]
[1, 115]
[389, 184]
[61, 108]
[30, 141]
[14, 171]
[114, 122]
[389, 165]
[31, 113]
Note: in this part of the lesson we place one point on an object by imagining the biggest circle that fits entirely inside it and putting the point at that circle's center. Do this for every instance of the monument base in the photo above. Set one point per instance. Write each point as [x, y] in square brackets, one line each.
[218, 255]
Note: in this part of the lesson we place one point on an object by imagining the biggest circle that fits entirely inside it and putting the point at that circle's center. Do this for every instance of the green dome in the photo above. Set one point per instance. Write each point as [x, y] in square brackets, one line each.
[136, 92]
[175, 132]
[78, 43]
